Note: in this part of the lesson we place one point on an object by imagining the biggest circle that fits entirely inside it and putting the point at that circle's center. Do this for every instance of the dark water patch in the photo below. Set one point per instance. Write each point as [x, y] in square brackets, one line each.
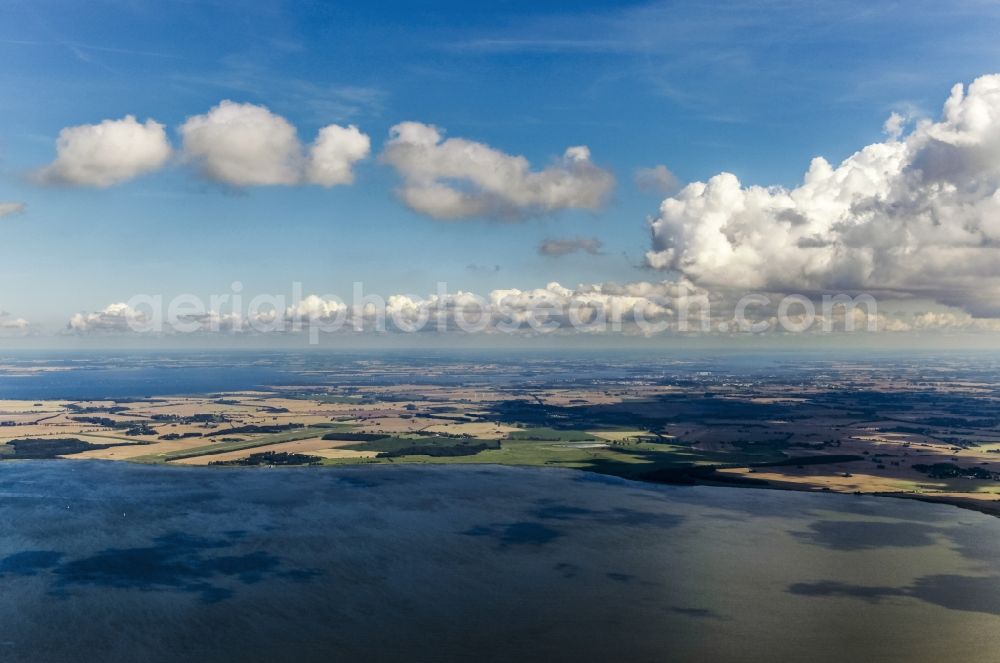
[553, 510]
[287, 501]
[974, 542]
[562, 512]
[826, 588]
[175, 561]
[867, 535]
[606, 479]
[954, 592]
[725, 517]
[620, 577]
[567, 570]
[353, 480]
[629, 516]
[698, 613]
[517, 534]
[960, 592]
[29, 562]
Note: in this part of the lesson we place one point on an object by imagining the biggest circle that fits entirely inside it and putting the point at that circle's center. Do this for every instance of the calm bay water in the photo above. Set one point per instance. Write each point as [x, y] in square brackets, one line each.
[119, 562]
[98, 383]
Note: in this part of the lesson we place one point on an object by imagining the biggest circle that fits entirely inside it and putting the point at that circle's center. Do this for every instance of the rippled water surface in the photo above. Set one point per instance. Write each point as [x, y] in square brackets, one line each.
[116, 562]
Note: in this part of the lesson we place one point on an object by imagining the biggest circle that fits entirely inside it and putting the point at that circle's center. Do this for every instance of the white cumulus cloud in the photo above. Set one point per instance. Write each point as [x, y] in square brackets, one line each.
[108, 153]
[9, 325]
[918, 214]
[333, 155]
[646, 308]
[457, 178]
[248, 145]
[115, 318]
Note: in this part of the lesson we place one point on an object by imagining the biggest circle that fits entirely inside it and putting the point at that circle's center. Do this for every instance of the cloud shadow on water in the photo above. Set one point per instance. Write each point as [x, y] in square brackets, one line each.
[867, 535]
[29, 562]
[516, 534]
[174, 562]
[867, 593]
[697, 613]
[954, 592]
[554, 510]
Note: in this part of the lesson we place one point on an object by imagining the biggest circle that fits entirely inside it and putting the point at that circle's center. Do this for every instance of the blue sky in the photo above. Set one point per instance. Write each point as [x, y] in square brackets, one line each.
[755, 88]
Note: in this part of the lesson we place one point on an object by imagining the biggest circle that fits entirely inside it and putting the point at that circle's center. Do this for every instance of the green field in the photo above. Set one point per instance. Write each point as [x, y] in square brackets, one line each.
[626, 459]
[635, 457]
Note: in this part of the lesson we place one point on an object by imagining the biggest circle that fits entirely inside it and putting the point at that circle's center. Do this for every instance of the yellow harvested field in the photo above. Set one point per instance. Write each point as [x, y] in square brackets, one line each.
[312, 446]
[618, 435]
[865, 483]
[18, 407]
[343, 453]
[126, 452]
